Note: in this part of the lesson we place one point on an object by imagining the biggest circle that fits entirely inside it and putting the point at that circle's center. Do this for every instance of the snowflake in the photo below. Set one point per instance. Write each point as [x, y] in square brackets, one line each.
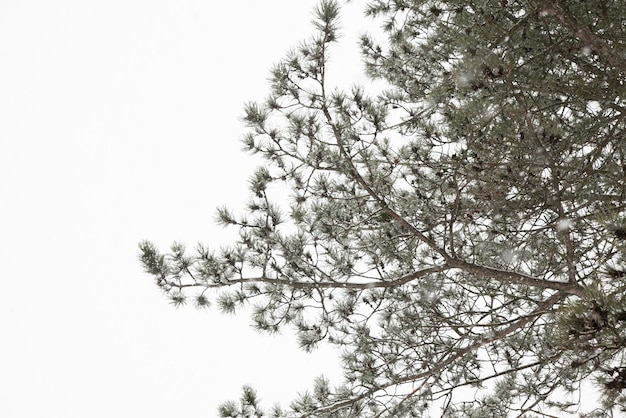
[563, 225]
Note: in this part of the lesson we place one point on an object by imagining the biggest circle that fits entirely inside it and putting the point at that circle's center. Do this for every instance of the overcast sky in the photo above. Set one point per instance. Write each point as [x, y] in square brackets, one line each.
[119, 121]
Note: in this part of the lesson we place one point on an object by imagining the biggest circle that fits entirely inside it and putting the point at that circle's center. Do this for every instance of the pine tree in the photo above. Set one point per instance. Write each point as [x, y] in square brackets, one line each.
[464, 230]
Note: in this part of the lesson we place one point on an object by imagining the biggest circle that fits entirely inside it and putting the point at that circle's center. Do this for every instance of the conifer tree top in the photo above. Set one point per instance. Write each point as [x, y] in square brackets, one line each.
[463, 232]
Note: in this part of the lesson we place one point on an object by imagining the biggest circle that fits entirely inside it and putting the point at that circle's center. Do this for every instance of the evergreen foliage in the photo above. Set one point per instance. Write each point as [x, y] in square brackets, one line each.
[462, 232]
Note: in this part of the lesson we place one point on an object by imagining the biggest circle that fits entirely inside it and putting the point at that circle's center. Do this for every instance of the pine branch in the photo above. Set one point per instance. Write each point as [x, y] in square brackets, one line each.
[558, 10]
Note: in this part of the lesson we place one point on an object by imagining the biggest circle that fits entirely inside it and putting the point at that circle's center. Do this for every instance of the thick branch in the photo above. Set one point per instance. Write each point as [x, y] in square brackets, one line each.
[319, 285]
[518, 278]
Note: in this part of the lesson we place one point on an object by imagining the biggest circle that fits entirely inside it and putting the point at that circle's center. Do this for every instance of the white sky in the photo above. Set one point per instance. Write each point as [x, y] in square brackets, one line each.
[119, 122]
